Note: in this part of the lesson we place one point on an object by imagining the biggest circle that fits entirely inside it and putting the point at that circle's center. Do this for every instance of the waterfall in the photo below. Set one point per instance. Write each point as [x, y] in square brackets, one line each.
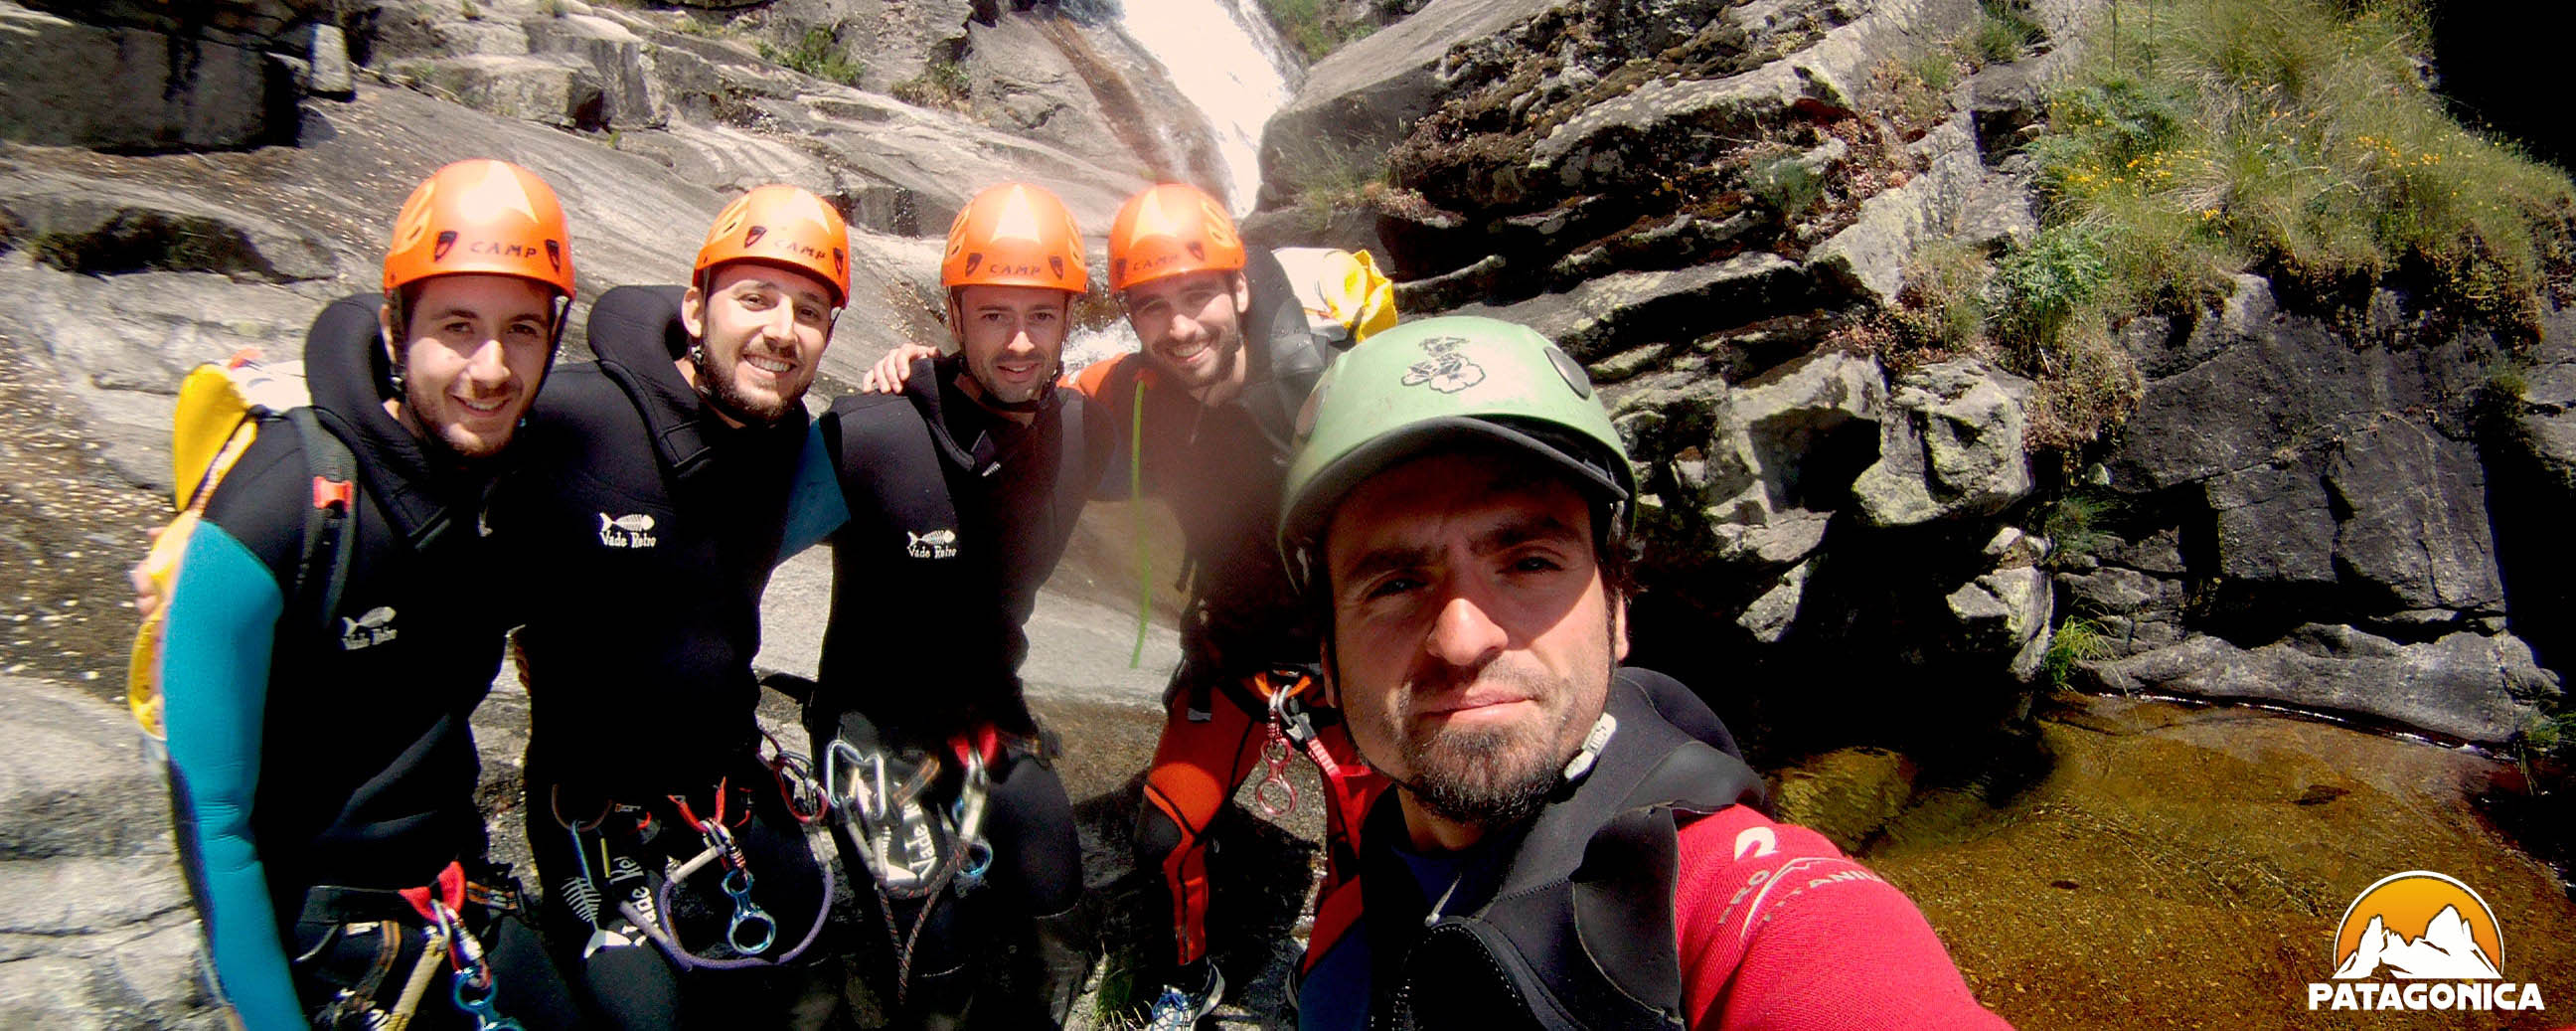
[1229, 62]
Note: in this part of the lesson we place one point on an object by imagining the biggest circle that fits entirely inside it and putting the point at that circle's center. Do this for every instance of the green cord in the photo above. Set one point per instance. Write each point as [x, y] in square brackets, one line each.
[1136, 515]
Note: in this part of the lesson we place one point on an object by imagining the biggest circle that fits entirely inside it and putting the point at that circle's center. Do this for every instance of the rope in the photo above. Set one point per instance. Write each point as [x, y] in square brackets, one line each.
[422, 973]
[1136, 517]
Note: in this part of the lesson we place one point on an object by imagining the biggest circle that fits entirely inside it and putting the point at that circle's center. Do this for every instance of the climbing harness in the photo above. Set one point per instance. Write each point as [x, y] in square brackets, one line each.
[356, 913]
[914, 848]
[879, 797]
[750, 930]
[471, 983]
[1291, 726]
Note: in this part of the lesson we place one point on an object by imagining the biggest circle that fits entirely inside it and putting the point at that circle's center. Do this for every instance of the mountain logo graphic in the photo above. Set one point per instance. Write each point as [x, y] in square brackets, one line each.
[2418, 925]
[2420, 940]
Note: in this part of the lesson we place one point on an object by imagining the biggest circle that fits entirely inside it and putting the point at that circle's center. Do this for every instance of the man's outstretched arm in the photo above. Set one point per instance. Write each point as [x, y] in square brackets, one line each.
[1781, 931]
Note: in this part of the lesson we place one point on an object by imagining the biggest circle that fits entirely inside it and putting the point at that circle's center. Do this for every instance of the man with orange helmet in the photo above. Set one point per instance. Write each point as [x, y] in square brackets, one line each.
[322, 774]
[654, 493]
[961, 492]
[1230, 340]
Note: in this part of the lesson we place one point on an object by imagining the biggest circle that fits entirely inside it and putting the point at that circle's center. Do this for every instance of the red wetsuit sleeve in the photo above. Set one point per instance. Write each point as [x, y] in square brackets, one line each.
[1780, 931]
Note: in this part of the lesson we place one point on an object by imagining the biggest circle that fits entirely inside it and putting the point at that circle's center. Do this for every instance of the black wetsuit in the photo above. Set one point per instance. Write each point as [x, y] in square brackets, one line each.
[650, 527]
[956, 516]
[313, 752]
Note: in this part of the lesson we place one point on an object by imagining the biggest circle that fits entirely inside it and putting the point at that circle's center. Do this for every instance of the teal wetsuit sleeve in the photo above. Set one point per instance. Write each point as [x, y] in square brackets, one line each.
[815, 507]
[223, 616]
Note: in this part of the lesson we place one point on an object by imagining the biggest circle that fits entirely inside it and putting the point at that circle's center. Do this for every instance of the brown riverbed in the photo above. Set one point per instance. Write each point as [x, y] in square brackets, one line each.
[2186, 867]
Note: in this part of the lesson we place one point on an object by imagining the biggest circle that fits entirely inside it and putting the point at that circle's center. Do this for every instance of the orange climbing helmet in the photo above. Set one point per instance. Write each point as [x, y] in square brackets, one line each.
[784, 226]
[1169, 230]
[1015, 234]
[484, 216]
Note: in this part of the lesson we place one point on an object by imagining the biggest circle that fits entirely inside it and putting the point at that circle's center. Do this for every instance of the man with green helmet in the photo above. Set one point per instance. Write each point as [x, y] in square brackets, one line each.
[1459, 504]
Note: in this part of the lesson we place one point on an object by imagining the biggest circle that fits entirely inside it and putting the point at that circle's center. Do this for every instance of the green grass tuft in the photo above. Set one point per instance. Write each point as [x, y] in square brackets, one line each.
[2004, 31]
[941, 84]
[1329, 179]
[2299, 138]
[2073, 525]
[817, 54]
[1943, 308]
[1784, 184]
[2292, 138]
[2076, 641]
[1309, 25]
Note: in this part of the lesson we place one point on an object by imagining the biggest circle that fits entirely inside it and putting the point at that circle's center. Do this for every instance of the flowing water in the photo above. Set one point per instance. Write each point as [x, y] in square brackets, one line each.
[1229, 62]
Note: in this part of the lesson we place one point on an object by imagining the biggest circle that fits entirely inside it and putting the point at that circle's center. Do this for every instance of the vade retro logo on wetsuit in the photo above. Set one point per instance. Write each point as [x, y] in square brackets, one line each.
[2419, 941]
[374, 628]
[933, 544]
[626, 531]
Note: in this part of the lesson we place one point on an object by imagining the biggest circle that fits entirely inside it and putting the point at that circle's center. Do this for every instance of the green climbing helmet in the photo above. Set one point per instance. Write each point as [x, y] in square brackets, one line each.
[1423, 386]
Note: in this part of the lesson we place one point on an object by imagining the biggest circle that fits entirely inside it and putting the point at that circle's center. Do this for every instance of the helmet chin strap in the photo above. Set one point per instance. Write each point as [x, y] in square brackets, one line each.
[713, 398]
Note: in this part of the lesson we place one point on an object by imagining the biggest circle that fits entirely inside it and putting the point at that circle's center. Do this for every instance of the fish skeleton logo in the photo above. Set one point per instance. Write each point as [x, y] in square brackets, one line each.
[935, 544]
[1446, 371]
[367, 631]
[626, 531]
[2420, 940]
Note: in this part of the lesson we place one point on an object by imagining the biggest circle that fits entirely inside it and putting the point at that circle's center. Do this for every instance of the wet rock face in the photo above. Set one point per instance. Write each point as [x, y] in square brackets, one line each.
[2321, 516]
[153, 81]
[99, 932]
[2331, 470]
[2465, 684]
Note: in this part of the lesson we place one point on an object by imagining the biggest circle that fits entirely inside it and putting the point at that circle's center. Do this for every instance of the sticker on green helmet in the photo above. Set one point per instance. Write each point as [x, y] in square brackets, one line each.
[1446, 370]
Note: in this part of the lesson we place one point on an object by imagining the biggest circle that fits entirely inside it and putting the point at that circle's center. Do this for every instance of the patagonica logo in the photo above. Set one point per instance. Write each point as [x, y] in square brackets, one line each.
[626, 531]
[367, 631]
[934, 544]
[2420, 940]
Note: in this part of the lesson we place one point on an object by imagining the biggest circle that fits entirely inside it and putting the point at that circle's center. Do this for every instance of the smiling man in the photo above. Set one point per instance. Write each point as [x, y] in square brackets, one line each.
[320, 760]
[962, 490]
[650, 506]
[1570, 842]
[1230, 338]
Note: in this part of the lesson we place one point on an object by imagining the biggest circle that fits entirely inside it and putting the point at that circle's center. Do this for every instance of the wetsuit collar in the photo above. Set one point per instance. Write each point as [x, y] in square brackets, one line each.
[948, 411]
[684, 428]
[344, 369]
[1277, 345]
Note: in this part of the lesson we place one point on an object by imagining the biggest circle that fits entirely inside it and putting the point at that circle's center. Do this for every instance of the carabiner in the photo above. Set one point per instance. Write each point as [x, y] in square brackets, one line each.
[1275, 784]
[478, 1002]
[851, 795]
[806, 800]
[737, 886]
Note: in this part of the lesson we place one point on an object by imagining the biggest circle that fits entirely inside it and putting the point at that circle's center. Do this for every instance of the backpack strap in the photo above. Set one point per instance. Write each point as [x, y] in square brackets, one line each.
[335, 492]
